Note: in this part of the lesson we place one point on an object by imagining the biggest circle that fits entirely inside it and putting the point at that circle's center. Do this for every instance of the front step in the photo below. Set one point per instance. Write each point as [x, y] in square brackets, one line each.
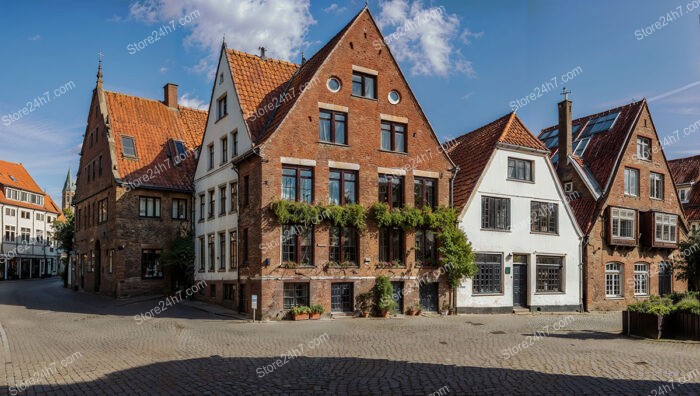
[520, 311]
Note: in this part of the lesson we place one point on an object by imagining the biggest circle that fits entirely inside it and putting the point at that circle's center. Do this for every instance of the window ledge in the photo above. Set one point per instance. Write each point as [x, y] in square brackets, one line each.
[544, 233]
[333, 143]
[363, 97]
[656, 199]
[614, 297]
[520, 181]
[641, 296]
[495, 229]
[486, 294]
[549, 293]
[393, 152]
[221, 118]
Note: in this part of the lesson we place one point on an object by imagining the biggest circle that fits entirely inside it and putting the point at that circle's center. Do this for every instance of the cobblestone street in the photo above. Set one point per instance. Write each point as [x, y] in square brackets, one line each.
[76, 343]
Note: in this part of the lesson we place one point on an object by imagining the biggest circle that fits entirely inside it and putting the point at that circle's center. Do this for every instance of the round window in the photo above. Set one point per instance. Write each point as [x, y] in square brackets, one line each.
[333, 84]
[394, 97]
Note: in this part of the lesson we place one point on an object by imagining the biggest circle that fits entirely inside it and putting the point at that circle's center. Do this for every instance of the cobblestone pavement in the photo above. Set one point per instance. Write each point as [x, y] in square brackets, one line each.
[78, 344]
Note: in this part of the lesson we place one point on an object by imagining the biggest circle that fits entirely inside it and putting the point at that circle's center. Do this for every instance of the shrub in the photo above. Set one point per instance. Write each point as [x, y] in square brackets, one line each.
[689, 304]
[317, 309]
[384, 295]
[300, 310]
[655, 305]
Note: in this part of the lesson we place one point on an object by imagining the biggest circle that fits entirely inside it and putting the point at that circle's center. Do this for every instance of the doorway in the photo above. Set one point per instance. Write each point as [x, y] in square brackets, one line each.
[341, 297]
[429, 296]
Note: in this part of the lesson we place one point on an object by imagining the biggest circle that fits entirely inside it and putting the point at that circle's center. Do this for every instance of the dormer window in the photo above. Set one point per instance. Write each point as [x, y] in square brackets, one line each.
[128, 147]
[684, 195]
[177, 151]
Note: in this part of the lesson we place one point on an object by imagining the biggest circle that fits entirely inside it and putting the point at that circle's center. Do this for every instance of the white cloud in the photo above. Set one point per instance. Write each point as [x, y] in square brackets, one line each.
[163, 69]
[425, 37]
[278, 25]
[466, 34]
[193, 102]
[35, 38]
[335, 9]
[468, 95]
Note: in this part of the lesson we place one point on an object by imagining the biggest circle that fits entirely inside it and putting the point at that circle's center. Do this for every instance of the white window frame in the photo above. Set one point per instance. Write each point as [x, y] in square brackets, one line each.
[684, 195]
[618, 215]
[613, 278]
[644, 143]
[664, 221]
[628, 182]
[641, 279]
[656, 185]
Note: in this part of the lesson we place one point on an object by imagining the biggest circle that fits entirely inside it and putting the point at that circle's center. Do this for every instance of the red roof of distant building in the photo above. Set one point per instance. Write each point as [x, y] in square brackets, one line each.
[687, 171]
[16, 176]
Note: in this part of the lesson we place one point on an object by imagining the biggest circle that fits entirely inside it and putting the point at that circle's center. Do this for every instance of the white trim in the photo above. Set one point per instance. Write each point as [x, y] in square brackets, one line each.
[592, 186]
[391, 171]
[422, 173]
[297, 161]
[343, 165]
[365, 70]
[388, 117]
[329, 106]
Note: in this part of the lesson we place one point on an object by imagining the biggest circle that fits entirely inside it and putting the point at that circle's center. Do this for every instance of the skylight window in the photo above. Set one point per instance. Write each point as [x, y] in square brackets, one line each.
[128, 147]
[580, 146]
[600, 124]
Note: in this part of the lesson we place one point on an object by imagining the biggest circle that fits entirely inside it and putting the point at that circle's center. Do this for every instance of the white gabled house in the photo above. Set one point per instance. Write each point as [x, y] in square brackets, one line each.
[518, 220]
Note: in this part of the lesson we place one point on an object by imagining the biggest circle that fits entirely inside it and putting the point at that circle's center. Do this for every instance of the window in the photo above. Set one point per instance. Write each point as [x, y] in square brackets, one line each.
[632, 182]
[229, 291]
[179, 151]
[25, 215]
[25, 234]
[424, 193]
[150, 264]
[201, 207]
[201, 253]
[426, 247]
[641, 279]
[333, 84]
[391, 245]
[580, 146]
[343, 246]
[495, 213]
[234, 196]
[519, 169]
[221, 78]
[102, 211]
[128, 147]
[549, 273]
[568, 187]
[391, 190]
[212, 204]
[234, 143]
[544, 217]
[179, 209]
[364, 85]
[643, 148]
[393, 137]
[613, 273]
[244, 243]
[222, 200]
[10, 233]
[297, 184]
[211, 251]
[332, 127]
[224, 150]
[211, 156]
[623, 223]
[295, 295]
[10, 212]
[394, 97]
[656, 184]
[488, 278]
[149, 207]
[666, 228]
[222, 250]
[342, 187]
[39, 217]
[246, 191]
[684, 195]
[221, 108]
[298, 245]
[233, 249]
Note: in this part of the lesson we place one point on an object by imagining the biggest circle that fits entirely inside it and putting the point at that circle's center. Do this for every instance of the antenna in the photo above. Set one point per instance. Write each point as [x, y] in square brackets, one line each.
[565, 93]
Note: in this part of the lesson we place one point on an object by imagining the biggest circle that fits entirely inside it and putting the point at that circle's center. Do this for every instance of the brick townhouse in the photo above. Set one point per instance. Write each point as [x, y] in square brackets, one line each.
[341, 127]
[627, 204]
[133, 189]
[686, 174]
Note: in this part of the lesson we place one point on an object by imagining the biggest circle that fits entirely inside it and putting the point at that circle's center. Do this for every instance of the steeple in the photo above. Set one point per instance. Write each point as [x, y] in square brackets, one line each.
[99, 70]
[68, 185]
[68, 192]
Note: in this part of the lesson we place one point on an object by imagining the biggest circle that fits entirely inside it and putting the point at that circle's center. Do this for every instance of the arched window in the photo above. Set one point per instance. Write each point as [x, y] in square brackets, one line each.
[641, 279]
[613, 277]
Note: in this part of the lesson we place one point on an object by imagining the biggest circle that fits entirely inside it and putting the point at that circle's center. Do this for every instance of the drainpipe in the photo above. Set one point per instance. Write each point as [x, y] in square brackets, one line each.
[583, 241]
[452, 180]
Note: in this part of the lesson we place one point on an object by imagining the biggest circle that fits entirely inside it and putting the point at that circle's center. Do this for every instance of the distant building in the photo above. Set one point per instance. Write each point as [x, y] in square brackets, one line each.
[68, 192]
[686, 174]
[26, 217]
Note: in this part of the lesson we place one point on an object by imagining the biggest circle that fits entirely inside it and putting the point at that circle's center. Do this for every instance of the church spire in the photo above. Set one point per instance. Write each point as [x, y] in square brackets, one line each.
[99, 70]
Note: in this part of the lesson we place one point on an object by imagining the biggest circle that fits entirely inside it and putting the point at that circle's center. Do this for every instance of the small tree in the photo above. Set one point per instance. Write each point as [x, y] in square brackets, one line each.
[384, 295]
[64, 230]
[456, 254]
[179, 258]
[689, 265]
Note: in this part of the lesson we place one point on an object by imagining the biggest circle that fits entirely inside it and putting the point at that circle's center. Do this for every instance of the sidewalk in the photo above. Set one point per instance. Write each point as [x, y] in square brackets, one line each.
[215, 309]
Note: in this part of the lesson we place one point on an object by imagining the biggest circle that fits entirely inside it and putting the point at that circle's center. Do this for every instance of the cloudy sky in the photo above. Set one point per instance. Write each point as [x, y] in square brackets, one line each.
[469, 62]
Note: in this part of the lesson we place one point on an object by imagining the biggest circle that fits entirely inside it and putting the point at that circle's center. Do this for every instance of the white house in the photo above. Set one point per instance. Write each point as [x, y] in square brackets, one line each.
[517, 217]
[216, 189]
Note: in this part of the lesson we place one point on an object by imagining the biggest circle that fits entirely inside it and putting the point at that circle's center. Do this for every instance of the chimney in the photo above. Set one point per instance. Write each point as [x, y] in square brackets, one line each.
[565, 138]
[262, 52]
[170, 95]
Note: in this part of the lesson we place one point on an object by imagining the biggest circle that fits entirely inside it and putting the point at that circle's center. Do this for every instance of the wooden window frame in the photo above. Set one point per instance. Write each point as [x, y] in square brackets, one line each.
[341, 191]
[333, 121]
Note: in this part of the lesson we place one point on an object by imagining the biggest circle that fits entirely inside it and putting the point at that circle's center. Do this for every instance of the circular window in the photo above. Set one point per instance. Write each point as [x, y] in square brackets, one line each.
[333, 84]
[394, 97]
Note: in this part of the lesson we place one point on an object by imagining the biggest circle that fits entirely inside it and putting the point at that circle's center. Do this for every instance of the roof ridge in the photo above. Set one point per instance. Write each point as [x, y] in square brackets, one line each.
[595, 115]
[506, 128]
[152, 100]
[483, 127]
[692, 157]
[238, 52]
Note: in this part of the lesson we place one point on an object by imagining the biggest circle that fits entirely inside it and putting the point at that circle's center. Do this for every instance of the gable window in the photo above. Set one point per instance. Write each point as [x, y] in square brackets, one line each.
[201, 207]
[234, 144]
[623, 223]
[393, 137]
[666, 228]
[296, 295]
[224, 149]
[221, 78]
[643, 148]
[391, 245]
[128, 147]
[632, 182]
[222, 200]
[212, 204]
[343, 246]
[684, 195]
[495, 213]
[332, 127]
[545, 217]
[426, 248]
[234, 196]
[212, 252]
[549, 273]
[488, 279]
[149, 207]
[519, 169]
[613, 275]
[211, 156]
[391, 190]
[656, 185]
[150, 264]
[222, 250]
[179, 209]
[641, 279]
[364, 85]
[221, 108]
[342, 187]
[297, 184]
[424, 193]
[298, 245]
[102, 211]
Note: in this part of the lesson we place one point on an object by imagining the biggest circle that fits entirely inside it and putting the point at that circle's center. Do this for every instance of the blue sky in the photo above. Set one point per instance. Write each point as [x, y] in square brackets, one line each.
[467, 64]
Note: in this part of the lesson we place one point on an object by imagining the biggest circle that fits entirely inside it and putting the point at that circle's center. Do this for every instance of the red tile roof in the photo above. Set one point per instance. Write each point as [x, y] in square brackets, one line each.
[152, 124]
[687, 171]
[472, 151]
[16, 176]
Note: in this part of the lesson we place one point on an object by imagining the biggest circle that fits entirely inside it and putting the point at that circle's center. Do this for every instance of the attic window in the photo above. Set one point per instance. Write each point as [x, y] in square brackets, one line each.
[178, 151]
[221, 78]
[128, 147]
[14, 179]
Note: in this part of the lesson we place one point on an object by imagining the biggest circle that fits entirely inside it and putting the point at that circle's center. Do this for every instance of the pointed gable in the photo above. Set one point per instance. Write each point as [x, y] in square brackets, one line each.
[686, 172]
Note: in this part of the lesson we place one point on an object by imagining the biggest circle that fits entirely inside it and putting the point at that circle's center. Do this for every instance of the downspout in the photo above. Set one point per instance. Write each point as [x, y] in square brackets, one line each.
[452, 180]
[583, 241]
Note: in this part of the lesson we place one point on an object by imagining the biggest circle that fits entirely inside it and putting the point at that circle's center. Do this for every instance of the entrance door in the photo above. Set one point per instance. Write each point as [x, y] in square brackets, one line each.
[520, 285]
[664, 279]
[398, 294]
[341, 297]
[429, 296]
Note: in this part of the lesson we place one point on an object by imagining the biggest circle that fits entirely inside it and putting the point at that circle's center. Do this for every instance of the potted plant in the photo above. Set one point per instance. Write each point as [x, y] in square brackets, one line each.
[410, 311]
[363, 303]
[300, 313]
[446, 308]
[316, 311]
[414, 310]
[384, 296]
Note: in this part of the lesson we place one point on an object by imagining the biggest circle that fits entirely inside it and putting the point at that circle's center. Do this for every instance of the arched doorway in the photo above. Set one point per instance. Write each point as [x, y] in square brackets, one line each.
[98, 266]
